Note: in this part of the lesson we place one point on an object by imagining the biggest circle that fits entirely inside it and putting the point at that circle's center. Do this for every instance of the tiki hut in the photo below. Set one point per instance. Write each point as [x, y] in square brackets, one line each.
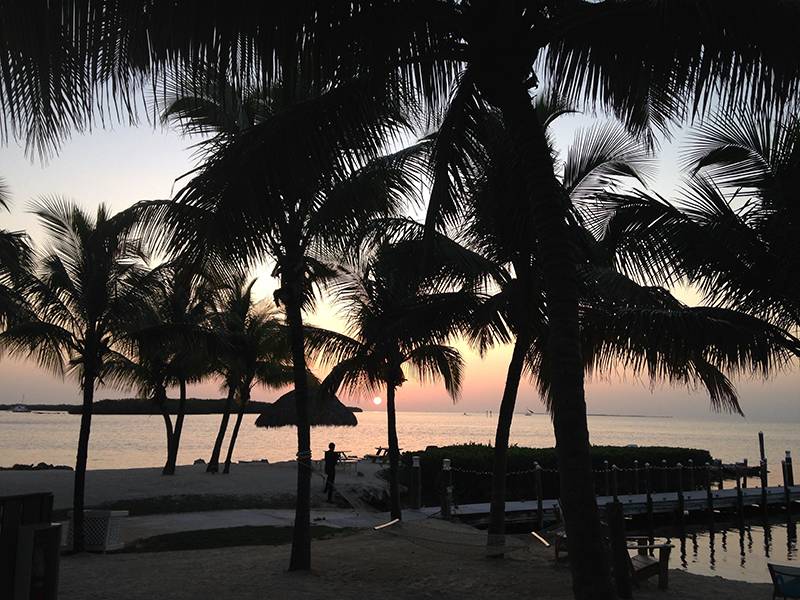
[326, 410]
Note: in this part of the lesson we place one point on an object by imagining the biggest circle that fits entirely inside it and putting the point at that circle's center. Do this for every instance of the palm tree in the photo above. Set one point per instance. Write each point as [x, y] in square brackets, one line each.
[171, 345]
[253, 349]
[16, 262]
[732, 230]
[292, 189]
[260, 346]
[397, 321]
[656, 343]
[90, 284]
[644, 59]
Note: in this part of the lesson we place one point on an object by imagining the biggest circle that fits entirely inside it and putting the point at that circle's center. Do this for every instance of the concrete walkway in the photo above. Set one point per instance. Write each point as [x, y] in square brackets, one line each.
[134, 528]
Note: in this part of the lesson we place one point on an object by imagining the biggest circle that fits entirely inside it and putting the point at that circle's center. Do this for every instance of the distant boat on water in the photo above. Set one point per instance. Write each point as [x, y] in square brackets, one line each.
[20, 408]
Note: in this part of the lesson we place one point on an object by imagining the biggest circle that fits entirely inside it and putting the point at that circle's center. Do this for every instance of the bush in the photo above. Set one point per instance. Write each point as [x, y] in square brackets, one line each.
[472, 470]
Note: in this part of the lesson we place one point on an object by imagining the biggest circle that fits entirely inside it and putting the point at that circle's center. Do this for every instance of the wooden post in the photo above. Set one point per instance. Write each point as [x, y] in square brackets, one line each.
[664, 475]
[744, 476]
[761, 452]
[619, 549]
[786, 495]
[605, 475]
[719, 473]
[648, 491]
[539, 497]
[681, 503]
[764, 484]
[416, 483]
[615, 482]
[635, 476]
[739, 500]
[709, 493]
[447, 489]
[789, 469]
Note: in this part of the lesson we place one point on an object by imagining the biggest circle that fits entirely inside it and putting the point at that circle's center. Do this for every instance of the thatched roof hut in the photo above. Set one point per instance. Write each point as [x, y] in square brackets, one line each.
[326, 410]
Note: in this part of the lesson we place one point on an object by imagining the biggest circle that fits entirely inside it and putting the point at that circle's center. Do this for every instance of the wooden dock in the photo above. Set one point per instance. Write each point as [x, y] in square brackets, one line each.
[633, 504]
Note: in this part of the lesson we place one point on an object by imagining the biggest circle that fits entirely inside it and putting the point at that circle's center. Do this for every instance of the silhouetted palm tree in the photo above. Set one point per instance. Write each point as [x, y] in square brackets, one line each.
[398, 321]
[292, 189]
[732, 230]
[16, 261]
[644, 59]
[644, 329]
[91, 282]
[260, 350]
[172, 345]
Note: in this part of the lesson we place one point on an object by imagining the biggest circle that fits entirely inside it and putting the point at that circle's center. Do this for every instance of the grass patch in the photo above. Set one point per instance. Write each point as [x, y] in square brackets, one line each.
[228, 537]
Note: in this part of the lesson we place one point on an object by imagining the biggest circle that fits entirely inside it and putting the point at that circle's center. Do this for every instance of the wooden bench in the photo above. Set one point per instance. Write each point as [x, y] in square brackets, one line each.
[643, 565]
[29, 546]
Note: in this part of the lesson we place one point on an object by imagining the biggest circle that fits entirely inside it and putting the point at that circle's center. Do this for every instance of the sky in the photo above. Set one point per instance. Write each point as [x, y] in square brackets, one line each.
[125, 164]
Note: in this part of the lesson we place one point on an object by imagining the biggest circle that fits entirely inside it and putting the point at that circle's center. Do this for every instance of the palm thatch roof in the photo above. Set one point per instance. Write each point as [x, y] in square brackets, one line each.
[326, 410]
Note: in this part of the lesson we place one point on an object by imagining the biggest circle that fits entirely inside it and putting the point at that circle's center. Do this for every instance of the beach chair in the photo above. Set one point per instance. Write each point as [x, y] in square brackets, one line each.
[347, 460]
[643, 565]
[785, 581]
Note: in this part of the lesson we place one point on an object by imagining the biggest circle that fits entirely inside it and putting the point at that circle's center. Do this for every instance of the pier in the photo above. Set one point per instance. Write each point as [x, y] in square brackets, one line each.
[681, 490]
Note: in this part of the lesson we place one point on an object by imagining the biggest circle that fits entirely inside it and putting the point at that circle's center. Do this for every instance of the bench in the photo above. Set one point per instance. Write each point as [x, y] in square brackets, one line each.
[29, 547]
[643, 565]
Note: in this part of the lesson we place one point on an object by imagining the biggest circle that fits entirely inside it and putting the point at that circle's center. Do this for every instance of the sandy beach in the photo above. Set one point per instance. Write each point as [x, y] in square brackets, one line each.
[365, 565]
[271, 484]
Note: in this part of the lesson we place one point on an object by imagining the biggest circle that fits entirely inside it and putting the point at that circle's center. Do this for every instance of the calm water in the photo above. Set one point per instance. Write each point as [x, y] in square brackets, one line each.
[138, 441]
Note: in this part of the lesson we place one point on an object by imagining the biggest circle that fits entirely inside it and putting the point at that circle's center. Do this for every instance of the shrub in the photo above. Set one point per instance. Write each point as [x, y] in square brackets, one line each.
[472, 470]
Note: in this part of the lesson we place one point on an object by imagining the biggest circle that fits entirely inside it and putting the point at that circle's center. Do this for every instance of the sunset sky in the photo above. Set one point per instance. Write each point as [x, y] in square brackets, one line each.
[127, 164]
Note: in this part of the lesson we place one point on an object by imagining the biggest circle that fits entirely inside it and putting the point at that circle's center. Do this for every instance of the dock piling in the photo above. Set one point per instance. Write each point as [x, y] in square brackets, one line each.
[539, 496]
[789, 469]
[786, 494]
[606, 478]
[447, 489]
[744, 476]
[739, 499]
[709, 493]
[691, 475]
[635, 476]
[665, 475]
[416, 483]
[681, 502]
[648, 490]
[615, 482]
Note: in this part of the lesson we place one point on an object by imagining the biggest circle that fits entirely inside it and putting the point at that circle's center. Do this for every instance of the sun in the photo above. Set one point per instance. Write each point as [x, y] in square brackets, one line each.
[377, 400]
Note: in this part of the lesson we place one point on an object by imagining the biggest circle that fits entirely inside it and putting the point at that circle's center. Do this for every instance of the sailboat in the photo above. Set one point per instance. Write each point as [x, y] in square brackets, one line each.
[21, 408]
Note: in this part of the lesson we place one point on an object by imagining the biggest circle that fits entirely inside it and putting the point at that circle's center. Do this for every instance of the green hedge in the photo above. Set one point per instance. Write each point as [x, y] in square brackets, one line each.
[472, 487]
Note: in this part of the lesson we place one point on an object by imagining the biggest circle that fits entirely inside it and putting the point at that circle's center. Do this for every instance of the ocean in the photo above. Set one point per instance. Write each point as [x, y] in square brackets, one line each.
[124, 441]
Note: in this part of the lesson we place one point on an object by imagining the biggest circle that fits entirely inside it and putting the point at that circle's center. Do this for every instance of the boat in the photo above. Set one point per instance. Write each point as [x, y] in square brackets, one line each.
[20, 408]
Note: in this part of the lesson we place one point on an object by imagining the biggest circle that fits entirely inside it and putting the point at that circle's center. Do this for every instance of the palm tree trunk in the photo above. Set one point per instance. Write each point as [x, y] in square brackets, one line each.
[588, 559]
[213, 462]
[301, 534]
[497, 513]
[176, 437]
[239, 414]
[394, 453]
[80, 463]
[170, 438]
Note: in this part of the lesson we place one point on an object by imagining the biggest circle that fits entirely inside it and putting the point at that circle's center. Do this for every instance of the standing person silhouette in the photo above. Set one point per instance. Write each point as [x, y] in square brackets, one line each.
[331, 458]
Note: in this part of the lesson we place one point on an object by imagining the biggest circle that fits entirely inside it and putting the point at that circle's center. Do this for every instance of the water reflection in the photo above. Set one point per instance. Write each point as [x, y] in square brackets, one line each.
[705, 550]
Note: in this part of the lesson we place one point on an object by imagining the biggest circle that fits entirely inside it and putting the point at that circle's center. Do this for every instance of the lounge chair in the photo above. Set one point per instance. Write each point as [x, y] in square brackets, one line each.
[785, 581]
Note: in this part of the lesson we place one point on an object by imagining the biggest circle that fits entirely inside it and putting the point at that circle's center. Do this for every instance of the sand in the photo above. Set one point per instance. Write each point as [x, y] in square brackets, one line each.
[365, 565]
[276, 482]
